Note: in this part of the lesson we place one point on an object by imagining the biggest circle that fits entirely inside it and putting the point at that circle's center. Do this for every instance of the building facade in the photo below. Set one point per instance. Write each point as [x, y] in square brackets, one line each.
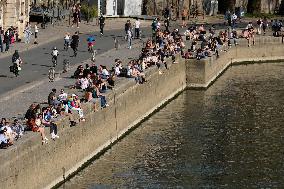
[120, 7]
[14, 13]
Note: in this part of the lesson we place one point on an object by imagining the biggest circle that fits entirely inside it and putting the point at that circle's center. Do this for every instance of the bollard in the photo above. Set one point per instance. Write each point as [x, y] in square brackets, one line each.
[66, 65]
[51, 74]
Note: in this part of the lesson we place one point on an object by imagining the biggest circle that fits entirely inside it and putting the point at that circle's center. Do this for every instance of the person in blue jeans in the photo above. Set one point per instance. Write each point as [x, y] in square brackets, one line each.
[98, 94]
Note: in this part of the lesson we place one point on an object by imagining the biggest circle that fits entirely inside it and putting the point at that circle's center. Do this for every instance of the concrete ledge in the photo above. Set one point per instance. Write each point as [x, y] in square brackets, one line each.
[202, 73]
[31, 165]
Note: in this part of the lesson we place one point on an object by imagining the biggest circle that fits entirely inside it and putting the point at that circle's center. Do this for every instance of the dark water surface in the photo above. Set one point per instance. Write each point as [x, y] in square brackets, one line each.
[229, 136]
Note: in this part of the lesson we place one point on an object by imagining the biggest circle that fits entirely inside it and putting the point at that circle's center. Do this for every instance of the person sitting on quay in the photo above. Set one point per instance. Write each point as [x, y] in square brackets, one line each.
[18, 129]
[75, 105]
[62, 96]
[34, 120]
[47, 116]
[9, 133]
[4, 142]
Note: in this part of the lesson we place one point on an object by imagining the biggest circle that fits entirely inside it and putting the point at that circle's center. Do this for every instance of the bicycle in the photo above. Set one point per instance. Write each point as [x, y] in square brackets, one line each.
[51, 74]
[54, 61]
[93, 55]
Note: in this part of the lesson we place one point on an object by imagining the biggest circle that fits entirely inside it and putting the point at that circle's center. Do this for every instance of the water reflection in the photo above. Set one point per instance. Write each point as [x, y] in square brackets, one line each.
[229, 136]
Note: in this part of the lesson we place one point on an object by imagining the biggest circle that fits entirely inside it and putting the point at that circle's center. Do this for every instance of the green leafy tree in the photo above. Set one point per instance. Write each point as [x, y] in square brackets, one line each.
[89, 11]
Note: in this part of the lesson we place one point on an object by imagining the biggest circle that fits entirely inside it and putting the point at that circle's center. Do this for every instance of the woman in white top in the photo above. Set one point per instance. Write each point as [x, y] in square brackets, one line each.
[67, 41]
[36, 32]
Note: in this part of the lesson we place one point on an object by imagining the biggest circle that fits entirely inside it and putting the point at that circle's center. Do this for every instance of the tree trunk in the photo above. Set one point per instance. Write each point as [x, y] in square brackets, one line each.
[225, 5]
[254, 6]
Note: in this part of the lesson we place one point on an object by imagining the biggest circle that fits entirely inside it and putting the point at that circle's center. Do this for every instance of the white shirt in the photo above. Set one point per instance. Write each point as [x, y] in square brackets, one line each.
[158, 25]
[55, 53]
[67, 37]
[36, 29]
[84, 83]
[129, 34]
[9, 130]
[3, 138]
[137, 24]
[129, 71]
[105, 72]
[62, 96]
[117, 70]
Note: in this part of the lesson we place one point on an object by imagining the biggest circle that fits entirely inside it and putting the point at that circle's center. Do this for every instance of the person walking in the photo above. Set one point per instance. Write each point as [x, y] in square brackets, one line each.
[16, 60]
[183, 16]
[129, 38]
[102, 24]
[137, 29]
[36, 33]
[127, 27]
[76, 17]
[167, 24]
[74, 43]
[1, 40]
[27, 33]
[7, 40]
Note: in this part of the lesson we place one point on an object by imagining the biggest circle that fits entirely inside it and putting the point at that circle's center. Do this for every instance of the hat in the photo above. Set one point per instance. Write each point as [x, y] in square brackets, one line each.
[73, 95]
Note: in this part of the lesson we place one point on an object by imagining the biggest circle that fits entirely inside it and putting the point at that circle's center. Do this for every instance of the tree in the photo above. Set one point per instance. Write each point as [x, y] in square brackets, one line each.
[225, 5]
[281, 8]
[254, 6]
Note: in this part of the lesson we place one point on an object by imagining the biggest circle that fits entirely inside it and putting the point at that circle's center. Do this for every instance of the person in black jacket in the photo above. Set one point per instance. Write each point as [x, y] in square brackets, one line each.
[102, 24]
[74, 43]
[7, 40]
[1, 40]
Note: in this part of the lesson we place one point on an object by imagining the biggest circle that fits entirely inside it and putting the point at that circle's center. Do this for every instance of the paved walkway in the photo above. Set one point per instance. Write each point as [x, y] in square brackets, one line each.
[37, 61]
[59, 29]
[15, 103]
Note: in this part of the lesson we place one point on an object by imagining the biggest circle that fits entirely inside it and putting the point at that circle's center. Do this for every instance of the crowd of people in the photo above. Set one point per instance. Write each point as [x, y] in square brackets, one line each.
[8, 38]
[11, 36]
[95, 81]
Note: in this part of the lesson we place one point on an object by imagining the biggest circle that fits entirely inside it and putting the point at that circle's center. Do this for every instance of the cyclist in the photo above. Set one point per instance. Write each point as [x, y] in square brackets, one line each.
[16, 60]
[91, 42]
[54, 55]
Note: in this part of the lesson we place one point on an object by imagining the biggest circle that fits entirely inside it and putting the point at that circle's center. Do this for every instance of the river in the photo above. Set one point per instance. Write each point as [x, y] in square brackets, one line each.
[229, 136]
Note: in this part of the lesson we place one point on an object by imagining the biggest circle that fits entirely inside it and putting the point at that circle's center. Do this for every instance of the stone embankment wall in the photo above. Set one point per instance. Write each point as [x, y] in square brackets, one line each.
[202, 73]
[29, 165]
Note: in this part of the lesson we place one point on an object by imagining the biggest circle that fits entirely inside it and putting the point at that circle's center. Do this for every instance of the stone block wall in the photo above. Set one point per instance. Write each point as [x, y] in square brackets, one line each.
[200, 74]
[30, 165]
[15, 13]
